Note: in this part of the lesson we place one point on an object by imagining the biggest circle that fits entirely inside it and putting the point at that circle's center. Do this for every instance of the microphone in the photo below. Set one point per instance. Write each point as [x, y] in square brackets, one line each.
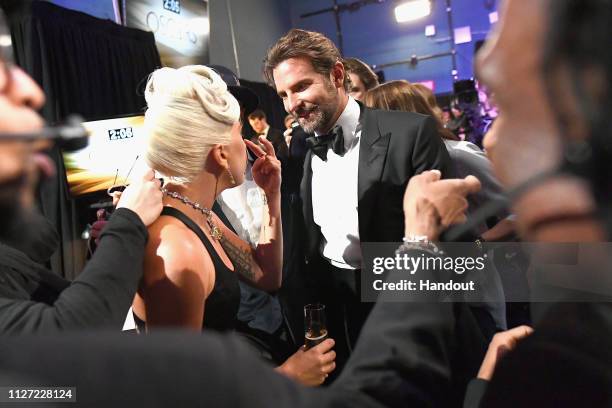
[70, 136]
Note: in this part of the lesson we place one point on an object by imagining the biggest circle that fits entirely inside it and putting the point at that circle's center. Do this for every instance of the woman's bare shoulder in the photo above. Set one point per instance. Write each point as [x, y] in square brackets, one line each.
[175, 251]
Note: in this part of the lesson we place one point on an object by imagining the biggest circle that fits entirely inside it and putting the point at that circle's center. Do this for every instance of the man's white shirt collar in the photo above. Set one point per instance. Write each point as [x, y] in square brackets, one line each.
[348, 120]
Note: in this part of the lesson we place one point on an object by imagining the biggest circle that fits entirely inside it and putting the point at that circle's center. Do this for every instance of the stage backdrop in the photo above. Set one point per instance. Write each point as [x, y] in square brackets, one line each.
[181, 28]
[104, 9]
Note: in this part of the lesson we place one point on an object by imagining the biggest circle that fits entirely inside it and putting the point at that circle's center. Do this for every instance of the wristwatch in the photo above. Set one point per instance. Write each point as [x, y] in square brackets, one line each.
[479, 241]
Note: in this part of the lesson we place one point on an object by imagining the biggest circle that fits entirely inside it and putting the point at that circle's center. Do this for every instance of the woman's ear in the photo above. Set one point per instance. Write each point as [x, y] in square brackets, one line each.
[218, 157]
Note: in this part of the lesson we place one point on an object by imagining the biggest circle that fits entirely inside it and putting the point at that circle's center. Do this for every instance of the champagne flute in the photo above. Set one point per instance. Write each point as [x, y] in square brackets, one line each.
[314, 325]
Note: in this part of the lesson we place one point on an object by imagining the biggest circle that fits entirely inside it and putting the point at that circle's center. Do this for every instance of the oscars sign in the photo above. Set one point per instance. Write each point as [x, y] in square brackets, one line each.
[181, 28]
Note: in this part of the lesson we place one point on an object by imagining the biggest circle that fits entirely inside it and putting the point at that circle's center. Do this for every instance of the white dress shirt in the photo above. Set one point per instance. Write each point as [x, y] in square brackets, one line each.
[243, 207]
[334, 195]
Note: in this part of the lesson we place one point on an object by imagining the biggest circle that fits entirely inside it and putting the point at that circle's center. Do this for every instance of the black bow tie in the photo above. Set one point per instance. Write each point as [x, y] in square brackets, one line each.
[321, 144]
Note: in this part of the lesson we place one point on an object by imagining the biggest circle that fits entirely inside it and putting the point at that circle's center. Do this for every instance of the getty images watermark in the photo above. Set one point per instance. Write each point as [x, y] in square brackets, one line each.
[491, 273]
[424, 263]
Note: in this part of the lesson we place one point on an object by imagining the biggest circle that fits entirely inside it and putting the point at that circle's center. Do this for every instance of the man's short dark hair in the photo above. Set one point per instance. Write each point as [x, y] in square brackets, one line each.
[257, 114]
[362, 70]
[317, 48]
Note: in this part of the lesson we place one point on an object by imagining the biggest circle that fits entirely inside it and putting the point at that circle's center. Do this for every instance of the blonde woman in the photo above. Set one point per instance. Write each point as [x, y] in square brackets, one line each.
[193, 261]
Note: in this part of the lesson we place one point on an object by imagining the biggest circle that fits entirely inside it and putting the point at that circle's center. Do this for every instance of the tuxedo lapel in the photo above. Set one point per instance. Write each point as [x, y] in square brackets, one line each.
[372, 156]
[312, 230]
[306, 188]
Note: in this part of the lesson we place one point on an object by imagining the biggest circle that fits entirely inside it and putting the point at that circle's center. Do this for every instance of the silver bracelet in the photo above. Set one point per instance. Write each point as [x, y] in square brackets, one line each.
[416, 238]
[418, 243]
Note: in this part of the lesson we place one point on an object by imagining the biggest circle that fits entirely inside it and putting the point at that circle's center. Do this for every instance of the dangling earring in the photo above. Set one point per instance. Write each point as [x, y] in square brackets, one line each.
[231, 176]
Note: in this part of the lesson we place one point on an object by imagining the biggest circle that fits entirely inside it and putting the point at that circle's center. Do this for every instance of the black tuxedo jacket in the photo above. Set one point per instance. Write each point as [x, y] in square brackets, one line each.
[394, 146]
[277, 139]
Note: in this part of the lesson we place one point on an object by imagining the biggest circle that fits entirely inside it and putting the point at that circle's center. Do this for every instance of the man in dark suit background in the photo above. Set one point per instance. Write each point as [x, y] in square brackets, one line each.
[259, 123]
[354, 175]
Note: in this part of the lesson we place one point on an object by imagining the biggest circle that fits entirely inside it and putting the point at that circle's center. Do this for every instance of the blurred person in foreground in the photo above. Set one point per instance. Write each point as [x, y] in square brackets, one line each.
[33, 299]
[552, 79]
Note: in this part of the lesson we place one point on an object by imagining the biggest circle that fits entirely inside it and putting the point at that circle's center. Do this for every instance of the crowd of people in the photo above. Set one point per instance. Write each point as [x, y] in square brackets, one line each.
[198, 250]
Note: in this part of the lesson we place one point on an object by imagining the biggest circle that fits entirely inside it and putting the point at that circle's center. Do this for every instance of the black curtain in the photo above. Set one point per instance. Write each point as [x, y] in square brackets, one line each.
[88, 66]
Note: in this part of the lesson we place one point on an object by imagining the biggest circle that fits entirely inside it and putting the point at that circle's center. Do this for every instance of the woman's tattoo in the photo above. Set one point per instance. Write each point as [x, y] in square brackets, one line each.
[242, 259]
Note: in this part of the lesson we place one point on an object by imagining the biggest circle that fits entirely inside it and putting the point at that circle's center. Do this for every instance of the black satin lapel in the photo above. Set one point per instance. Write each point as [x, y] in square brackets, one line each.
[306, 188]
[372, 153]
[312, 230]
[372, 156]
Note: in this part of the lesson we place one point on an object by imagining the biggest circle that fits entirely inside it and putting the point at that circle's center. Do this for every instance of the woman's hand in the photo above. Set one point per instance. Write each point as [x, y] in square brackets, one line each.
[267, 168]
[311, 367]
[431, 204]
[144, 197]
[502, 343]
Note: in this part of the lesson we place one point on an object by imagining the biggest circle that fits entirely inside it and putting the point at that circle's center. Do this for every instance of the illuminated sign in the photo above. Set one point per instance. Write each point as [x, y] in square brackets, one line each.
[173, 6]
[181, 28]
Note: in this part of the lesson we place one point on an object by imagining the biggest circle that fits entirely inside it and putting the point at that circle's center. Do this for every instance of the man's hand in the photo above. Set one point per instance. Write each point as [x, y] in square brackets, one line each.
[144, 198]
[502, 343]
[311, 367]
[98, 226]
[267, 168]
[431, 204]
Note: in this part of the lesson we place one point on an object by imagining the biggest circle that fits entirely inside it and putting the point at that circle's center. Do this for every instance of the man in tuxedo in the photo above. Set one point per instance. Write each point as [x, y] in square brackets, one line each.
[354, 174]
[259, 123]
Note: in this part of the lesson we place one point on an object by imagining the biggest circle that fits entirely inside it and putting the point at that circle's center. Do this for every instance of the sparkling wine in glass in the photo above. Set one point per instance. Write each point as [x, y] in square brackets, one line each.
[314, 325]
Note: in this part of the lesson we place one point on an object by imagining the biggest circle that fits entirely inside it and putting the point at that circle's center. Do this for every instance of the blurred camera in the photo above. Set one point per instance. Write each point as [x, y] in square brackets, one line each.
[465, 92]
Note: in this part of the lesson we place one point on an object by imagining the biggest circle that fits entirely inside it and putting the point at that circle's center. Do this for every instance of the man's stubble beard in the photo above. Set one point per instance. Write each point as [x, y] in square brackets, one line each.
[15, 203]
[11, 215]
[313, 124]
[322, 115]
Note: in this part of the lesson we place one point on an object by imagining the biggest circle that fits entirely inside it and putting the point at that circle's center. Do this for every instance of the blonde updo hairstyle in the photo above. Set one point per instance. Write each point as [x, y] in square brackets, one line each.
[189, 111]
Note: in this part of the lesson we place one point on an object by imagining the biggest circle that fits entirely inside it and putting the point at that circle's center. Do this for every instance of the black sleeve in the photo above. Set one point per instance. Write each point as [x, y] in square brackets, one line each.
[159, 370]
[100, 296]
[418, 351]
[429, 150]
[475, 391]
